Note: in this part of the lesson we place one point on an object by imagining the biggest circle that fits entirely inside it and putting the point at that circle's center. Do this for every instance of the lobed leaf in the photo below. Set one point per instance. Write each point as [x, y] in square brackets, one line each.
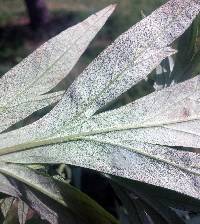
[119, 71]
[115, 142]
[122, 142]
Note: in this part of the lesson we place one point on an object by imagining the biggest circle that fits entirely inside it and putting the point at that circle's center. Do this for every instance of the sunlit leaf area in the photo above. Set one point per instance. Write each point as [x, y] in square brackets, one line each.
[99, 112]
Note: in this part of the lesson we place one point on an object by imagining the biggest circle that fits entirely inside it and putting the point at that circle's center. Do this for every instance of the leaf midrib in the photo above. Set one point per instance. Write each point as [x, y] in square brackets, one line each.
[132, 149]
[74, 137]
[47, 141]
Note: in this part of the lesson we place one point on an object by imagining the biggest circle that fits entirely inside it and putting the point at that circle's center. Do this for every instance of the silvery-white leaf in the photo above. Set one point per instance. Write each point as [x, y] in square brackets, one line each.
[36, 201]
[106, 141]
[5, 205]
[22, 211]
[36, 130]
[7, 188]
[70, 134]
[119, 67]
[168, 117]
[124, 63]
[33, 179]
[78, 207]
[46, 67]
[19, 110]
[153, 164]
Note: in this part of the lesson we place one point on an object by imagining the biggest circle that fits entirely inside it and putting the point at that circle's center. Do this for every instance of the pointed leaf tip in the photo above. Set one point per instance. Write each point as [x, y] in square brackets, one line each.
[22, 88]
[114, 6]
[109, 9]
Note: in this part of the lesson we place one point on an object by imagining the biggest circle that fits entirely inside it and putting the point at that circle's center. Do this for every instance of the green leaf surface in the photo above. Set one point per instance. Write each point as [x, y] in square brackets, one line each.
[158, 195]
[128, 203]
[154, 207]
[187, 54]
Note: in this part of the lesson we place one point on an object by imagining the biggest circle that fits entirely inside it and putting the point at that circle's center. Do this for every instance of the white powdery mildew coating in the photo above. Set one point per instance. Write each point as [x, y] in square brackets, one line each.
[113, 72]
[31, 178]
[41, 207]
[160, 174]
[168, 117]
[148, 108]
[186, 160]
[49, 64]
[38, 128]
[20, 110]
[158, 135]
[25, 193]
[7, 187]
[30, 184]
[107, 67]
[5, 205]
[123, 161]
[113, 152]
[106, 158]
[12, 187]
[64, 49]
